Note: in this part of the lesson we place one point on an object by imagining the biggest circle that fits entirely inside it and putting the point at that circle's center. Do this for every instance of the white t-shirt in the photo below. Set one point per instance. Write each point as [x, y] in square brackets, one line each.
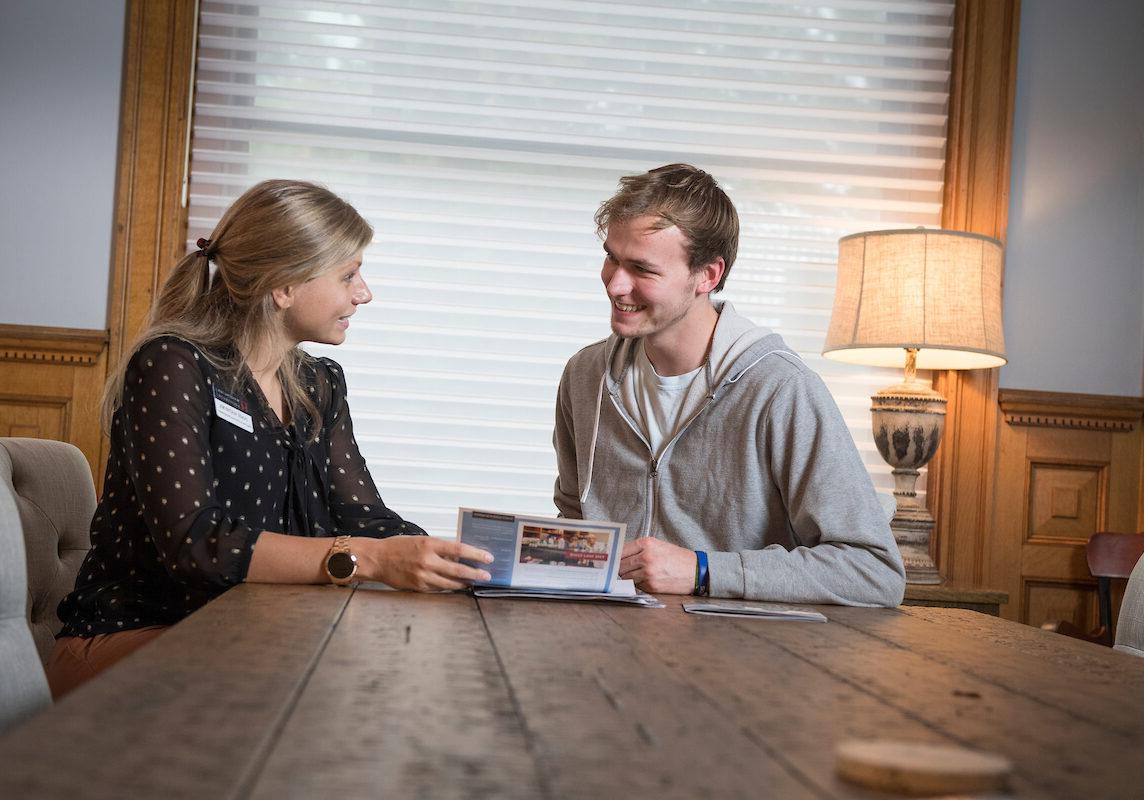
[656, 403]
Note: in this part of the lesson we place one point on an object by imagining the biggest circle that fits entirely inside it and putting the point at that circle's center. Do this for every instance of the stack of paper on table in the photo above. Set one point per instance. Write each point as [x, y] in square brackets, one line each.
[745, 608]
[623, 591]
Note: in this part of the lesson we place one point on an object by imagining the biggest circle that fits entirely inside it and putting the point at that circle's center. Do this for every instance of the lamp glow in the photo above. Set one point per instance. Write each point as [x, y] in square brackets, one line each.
[917, 299]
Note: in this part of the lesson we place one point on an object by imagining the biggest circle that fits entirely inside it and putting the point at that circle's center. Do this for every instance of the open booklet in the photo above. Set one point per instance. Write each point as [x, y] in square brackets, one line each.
[548, 557]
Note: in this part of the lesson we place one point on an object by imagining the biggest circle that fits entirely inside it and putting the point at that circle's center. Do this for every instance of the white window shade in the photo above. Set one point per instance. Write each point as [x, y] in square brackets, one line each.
[479, 139]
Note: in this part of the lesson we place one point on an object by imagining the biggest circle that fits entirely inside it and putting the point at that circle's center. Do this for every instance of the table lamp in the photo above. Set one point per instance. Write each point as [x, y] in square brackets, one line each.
[919, 299]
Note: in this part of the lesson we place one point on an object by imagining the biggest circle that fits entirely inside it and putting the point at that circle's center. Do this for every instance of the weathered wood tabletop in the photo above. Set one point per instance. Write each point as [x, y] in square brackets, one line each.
[275, 691]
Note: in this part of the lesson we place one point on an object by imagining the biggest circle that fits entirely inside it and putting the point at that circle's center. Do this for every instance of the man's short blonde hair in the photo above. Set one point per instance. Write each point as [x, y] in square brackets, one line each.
[686, 197]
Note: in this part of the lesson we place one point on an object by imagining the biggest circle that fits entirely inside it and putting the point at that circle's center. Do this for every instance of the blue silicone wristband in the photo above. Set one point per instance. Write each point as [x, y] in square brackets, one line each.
[702, 577]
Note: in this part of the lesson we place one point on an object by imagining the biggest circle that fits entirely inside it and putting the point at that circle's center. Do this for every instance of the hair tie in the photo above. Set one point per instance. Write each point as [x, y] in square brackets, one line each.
[204, 244]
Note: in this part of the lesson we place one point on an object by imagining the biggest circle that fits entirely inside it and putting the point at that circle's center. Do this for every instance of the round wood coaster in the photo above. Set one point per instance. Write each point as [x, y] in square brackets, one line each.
[920, 769]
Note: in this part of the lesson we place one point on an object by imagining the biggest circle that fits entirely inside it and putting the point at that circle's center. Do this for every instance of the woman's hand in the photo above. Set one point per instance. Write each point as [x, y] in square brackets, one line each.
[421, 563]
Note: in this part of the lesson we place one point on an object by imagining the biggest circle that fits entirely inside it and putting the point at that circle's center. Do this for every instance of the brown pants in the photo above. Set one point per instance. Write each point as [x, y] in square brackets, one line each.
[76, 660]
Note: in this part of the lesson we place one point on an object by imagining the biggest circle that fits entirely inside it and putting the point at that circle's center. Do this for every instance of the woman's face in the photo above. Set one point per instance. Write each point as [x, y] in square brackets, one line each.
[322, 306]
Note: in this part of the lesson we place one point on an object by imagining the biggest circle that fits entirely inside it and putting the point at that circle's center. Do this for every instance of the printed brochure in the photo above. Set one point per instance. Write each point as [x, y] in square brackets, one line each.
[566, 555]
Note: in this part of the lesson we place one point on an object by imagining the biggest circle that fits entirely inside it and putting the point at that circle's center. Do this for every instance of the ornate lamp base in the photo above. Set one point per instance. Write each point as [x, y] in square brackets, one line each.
[912, 531]
[908, 423]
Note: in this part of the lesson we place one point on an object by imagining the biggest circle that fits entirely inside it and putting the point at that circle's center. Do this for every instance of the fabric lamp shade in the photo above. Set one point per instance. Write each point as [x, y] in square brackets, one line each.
[935, 291]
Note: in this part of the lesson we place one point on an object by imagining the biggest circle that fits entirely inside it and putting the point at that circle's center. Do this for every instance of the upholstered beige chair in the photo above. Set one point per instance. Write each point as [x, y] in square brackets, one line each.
[23, 689]
[54, 497]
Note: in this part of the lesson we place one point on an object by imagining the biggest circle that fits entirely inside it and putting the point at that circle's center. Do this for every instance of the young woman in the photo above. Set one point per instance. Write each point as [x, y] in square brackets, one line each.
[232, 451]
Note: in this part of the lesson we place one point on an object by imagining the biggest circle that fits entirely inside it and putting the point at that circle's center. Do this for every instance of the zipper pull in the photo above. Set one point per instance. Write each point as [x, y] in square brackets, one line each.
[654, 467]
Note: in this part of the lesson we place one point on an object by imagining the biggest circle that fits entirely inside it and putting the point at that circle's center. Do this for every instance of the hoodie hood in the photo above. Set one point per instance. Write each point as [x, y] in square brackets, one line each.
[737, 346]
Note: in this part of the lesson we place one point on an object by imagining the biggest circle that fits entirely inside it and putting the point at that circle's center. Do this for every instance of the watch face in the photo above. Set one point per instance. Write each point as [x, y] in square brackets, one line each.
[340, 565]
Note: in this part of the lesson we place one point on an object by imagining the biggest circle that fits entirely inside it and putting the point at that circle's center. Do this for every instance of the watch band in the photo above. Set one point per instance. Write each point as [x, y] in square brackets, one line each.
[702, 575]
[341, 564]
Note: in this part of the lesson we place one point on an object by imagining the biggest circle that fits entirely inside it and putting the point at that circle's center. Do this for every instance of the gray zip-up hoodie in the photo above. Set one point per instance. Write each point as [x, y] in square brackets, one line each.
[764, 476]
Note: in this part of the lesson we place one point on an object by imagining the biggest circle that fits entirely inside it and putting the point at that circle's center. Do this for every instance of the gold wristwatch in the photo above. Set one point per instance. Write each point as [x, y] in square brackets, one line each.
[341, 563]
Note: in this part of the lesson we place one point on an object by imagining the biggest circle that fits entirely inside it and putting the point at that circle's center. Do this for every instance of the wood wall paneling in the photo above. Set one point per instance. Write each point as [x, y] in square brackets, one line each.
[51, 380]
[1053, 600]
[1069, 465]
[961, 478]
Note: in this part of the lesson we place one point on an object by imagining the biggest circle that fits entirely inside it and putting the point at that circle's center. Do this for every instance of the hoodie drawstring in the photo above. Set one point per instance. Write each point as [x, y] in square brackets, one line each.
[600, 399]
[595, 432]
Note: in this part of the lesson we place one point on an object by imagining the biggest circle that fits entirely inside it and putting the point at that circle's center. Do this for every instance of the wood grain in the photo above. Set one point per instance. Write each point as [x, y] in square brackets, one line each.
[999, 653]
[988, 699]
[789, 692]
[408, 701]
[607, 717]
[189, 715]
[437, 696]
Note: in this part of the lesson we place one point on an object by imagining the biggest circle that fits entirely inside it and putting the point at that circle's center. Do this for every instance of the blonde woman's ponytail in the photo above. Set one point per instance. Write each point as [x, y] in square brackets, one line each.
[184, 294]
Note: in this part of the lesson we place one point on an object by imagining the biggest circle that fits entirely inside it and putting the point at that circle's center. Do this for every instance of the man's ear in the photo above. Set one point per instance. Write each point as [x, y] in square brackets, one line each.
[283, 297]
[709, 276]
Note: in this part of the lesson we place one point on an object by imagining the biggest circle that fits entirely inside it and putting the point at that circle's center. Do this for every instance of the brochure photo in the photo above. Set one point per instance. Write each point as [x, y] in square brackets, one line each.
[544, 552]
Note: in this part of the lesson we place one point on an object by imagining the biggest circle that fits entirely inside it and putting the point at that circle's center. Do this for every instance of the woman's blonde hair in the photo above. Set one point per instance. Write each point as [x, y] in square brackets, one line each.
[279, 233]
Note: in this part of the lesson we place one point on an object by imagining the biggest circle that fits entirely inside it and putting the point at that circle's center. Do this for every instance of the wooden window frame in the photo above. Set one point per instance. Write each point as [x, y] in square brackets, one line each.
[983, 87]
[154, 134]
[151, 222]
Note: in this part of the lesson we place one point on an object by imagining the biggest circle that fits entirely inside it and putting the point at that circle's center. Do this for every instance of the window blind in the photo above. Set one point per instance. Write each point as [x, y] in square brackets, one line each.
[479, 137]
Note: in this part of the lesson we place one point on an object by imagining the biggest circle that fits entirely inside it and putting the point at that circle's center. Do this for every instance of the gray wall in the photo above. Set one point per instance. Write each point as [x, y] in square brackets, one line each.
[1074, 276]
[60, 67]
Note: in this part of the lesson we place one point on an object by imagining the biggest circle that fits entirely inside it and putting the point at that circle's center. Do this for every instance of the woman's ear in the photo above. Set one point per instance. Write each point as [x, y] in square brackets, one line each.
[283, 297]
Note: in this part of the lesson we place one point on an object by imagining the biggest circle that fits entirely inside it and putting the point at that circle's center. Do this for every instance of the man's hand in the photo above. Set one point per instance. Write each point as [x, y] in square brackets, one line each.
[421, 563]
[657, 566]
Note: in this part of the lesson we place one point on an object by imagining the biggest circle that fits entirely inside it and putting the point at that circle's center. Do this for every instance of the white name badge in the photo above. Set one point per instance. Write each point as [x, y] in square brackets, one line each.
[233, 415]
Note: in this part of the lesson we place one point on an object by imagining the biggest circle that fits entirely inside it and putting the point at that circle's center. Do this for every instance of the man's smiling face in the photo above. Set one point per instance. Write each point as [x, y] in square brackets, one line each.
[646, 276]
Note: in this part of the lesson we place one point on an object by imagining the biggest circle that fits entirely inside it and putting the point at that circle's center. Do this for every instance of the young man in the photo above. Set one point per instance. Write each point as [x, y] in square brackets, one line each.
[724, 454]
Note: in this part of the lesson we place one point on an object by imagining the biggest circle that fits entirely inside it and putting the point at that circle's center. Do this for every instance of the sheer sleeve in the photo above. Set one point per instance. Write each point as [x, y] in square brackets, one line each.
[355, 504]
[166, 415]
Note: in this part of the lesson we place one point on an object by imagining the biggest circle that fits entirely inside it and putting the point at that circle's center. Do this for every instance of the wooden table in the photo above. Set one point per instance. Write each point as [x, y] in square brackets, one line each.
[275, 691]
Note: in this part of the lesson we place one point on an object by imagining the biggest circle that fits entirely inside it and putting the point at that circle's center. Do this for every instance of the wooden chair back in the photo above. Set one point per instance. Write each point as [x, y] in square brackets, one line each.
[1111, 555]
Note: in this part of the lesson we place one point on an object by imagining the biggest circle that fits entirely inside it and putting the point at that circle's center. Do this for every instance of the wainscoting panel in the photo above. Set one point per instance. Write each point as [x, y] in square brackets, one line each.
[1068, 466]
[1067, 501]
[50, 384]
[33, 417]
[1049, 600]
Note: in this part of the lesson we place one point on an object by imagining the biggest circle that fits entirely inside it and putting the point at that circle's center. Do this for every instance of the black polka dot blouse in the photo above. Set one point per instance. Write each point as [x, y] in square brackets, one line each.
[199, 467]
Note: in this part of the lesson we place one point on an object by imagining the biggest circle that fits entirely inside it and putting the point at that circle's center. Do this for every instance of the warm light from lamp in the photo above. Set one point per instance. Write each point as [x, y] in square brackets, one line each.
[935, 291]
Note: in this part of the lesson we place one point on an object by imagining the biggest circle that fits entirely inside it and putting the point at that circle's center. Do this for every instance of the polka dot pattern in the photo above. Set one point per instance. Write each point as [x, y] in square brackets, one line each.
[187, 492]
